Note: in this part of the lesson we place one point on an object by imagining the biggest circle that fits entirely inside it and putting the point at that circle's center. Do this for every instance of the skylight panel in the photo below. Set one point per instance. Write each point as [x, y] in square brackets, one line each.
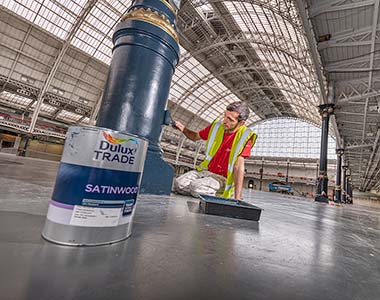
[48, 108]
[204, 9]
[45, 108]
[57, 16]
[19, 100]
[66, 115]
[55, 20]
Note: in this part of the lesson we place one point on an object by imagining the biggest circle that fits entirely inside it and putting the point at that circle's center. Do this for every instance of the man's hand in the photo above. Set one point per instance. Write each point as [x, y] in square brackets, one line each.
[178, 125]
[192, 135]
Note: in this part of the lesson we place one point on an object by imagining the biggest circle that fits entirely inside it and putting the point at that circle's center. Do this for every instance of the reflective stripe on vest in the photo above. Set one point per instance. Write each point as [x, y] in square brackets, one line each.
[239, 146]
[212, 144]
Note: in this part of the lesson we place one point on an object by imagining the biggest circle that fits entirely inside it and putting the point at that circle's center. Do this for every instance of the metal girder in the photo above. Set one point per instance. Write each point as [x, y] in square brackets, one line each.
[307, 115]
[227, 39]
[236, 68]
[376, 185]
[354, 96]
[197, 151]
[24, 128]
[373, 46]
[179, 148]
[365, 180]
[359, 62]
[357, 114]
[278, 7]
[313, 49]
[351, 129]
[81, 17]
[358, 146]
[299, 92]
[337, 5]
[50, 98]
[360, 123]
[95, 110]
[357, 90]
[15, 61]
[14, 85]
[19, 52]
[349, 38]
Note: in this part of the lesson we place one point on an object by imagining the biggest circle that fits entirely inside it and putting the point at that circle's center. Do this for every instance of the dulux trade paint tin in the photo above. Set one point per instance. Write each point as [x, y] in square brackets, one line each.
[96, 188]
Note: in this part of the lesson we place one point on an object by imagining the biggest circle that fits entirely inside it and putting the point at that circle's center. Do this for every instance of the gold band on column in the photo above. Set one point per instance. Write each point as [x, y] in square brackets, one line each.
[154, 18]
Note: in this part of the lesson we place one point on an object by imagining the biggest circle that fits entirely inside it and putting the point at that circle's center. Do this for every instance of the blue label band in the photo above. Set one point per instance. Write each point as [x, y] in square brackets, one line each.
[88, 186]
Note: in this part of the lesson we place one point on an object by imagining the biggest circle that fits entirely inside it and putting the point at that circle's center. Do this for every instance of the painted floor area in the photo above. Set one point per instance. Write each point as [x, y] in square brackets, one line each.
[299, 250]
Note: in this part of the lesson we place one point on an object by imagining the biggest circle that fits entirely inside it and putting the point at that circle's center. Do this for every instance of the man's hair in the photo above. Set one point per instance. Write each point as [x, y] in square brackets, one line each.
[241, 108]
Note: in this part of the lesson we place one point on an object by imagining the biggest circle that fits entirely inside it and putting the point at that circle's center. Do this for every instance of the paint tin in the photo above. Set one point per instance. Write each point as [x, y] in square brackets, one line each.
[96, 188]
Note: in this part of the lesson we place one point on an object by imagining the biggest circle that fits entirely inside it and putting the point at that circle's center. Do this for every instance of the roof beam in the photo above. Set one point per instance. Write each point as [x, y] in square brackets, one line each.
[81, 17]
[358, 97]
[358, 146]
[373, 46]
[361, 35]
[366, 181]
[337, 5]
[313, 49]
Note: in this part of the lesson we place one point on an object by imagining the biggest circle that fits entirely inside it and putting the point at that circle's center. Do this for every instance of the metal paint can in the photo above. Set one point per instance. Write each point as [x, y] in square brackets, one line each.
[96, 188]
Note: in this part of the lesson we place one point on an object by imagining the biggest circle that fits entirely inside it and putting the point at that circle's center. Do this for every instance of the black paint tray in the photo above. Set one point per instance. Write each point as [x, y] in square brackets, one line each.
[229, 208]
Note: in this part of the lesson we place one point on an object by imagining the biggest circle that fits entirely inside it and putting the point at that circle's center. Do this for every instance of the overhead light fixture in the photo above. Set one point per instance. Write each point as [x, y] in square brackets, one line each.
[27, 79]
[83, 100]
[57, 91]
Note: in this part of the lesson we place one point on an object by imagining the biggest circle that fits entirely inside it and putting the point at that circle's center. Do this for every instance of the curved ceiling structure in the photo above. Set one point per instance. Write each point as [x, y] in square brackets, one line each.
[55, 54]
[347, 40]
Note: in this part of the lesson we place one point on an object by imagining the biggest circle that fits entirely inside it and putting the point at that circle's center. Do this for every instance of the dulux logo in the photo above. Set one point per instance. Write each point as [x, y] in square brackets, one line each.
[111, 149]
[115, 141]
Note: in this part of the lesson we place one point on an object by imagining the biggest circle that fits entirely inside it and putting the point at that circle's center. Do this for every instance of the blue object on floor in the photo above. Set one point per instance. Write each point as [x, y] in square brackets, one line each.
[229, 208]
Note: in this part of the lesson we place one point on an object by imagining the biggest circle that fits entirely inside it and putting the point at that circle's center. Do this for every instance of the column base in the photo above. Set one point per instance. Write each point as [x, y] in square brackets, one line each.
[157, 178]
[320, 198]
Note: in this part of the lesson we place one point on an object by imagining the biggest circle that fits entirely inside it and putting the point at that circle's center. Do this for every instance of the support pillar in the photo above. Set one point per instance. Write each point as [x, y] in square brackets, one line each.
[321, 196]
[338, 187]
[287, 172]
[261, 173]
[23, 145]
[344, 191]
[135, 97]
[349, 189]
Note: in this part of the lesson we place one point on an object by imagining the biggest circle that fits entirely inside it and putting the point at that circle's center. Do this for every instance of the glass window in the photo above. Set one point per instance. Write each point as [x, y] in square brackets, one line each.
[286, 137]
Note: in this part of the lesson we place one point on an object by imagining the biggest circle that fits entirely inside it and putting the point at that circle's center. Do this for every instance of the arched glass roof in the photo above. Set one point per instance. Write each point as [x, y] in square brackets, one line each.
[290, 138]
[276, 55]
[283, 76]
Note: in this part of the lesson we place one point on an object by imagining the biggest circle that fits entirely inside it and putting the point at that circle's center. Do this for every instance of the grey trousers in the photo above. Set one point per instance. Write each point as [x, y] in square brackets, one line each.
[195, 183]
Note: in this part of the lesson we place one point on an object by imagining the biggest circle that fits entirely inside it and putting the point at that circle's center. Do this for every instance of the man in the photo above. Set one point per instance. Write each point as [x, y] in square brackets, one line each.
[228, 143]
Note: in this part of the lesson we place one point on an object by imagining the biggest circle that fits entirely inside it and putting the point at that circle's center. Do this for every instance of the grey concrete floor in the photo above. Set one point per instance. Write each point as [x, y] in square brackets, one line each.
[299, 250]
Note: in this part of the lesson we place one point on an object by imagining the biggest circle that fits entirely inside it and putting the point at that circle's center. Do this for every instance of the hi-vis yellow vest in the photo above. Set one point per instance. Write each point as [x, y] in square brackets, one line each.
[214, 140]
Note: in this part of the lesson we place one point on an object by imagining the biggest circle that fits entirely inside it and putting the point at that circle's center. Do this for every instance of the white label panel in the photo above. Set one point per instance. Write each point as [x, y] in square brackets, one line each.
[95, 216]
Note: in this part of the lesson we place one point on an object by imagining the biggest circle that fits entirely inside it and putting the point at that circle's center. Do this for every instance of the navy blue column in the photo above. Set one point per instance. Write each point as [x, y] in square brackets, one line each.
[338, 187]
[144, 57]
[321, 196]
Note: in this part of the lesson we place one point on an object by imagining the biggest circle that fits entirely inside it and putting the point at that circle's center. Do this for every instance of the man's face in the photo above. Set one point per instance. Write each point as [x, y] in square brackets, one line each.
[230, 121]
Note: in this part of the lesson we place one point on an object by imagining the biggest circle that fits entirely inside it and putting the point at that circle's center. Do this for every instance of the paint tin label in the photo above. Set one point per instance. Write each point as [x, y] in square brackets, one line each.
[100, 169]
